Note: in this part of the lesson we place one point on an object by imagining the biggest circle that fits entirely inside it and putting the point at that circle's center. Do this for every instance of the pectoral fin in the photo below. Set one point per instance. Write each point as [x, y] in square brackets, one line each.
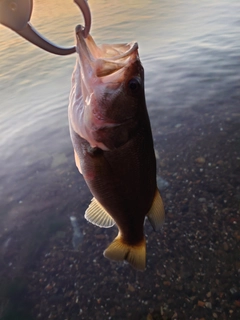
[156, 214]
[97, 215]
[134, 255]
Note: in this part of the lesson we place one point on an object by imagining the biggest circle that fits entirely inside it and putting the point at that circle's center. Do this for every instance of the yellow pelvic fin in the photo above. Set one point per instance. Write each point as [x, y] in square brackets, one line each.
[135, 255]
[156, 215]
[97, 215]
[77, 161]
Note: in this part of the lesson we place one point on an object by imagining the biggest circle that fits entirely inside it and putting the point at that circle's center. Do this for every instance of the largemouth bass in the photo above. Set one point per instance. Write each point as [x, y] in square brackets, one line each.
[113, 144]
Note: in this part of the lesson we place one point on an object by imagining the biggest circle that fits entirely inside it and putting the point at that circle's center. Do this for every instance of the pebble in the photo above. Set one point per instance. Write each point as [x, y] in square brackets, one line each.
[149, 317]
[48, 287]
[166, 283]
[215, 316]
[131, 288]
[237, 236]
[201, 303]
[100, 236]
[178, 125]
[200, 160]
[202, 199]
[225, 246]
[233, 290]
[237, 303]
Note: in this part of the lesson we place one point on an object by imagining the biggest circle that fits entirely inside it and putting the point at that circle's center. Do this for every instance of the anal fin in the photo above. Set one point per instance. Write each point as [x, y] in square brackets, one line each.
[156, 215]
[134, 255]
[97, 215]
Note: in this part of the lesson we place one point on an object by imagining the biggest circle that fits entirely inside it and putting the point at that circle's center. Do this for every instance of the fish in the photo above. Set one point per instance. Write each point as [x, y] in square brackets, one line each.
[113, 145]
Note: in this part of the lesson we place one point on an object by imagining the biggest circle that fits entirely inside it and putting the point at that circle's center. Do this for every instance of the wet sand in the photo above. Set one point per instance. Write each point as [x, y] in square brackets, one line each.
[193, 265]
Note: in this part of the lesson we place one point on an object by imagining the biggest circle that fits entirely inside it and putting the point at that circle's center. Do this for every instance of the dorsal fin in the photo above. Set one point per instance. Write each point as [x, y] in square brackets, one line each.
[97, 215]
[156, 214]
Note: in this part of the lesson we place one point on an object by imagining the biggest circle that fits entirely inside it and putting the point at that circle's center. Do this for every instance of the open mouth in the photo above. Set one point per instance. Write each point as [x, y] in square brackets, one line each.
[106, 59]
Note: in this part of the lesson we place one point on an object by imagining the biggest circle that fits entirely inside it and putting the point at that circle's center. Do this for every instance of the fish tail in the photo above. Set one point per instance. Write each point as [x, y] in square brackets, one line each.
[135, 255]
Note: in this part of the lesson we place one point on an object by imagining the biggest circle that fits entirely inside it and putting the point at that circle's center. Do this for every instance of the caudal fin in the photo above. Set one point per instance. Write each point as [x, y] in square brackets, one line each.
[135, 255]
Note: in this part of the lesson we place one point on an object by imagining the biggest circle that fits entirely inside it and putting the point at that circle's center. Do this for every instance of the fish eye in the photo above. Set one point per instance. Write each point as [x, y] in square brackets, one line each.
[134, 84]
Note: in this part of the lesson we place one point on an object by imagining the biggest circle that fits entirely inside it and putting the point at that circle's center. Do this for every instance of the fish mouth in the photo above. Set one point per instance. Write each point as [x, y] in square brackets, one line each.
[105, 60]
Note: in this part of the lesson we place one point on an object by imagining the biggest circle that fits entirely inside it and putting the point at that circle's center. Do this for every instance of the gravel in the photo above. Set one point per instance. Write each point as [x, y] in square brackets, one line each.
[193, 265]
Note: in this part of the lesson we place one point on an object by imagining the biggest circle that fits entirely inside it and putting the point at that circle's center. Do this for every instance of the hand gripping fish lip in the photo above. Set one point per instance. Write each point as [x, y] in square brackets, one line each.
[16, 14]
